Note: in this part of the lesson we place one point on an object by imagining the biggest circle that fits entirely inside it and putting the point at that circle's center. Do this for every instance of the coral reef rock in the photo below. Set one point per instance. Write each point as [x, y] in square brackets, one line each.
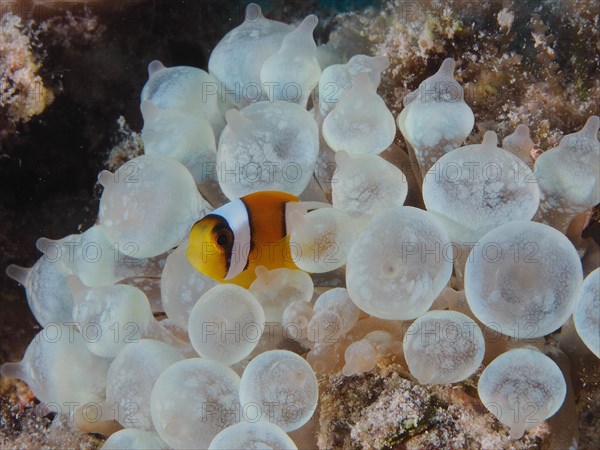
[383, 409]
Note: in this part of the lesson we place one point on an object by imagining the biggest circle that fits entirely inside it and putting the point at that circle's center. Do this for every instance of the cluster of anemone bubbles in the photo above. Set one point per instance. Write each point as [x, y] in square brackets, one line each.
[155, 355]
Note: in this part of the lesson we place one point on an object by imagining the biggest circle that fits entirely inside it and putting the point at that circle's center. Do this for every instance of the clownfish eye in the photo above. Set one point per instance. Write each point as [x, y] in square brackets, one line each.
[221, 240]
[223, 237]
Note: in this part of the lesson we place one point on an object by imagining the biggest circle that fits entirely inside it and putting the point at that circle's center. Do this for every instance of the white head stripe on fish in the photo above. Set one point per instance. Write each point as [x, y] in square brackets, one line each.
[236, 215]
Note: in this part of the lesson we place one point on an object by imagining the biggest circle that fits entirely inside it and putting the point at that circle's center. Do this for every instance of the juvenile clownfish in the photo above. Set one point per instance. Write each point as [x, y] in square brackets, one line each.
[233, 240]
